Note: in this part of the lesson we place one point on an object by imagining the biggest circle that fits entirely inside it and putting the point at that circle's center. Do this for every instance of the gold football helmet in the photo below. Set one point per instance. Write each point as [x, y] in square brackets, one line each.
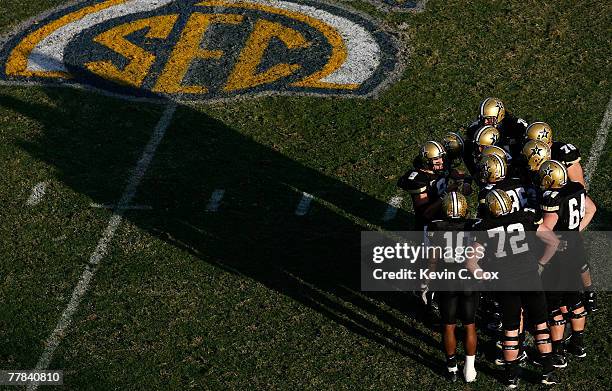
[498, 202]
[492, 111]
[453, 144]
[454, 205]
[494, 150]
[492, 168]
[540, 131]
[535, 153]
[486, 135]
[553, 175]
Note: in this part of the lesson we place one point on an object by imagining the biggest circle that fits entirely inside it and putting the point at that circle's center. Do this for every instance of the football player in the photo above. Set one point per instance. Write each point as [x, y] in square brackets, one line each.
[428, 182]
[566, 207]
[501, 234]
[566, 153]
[484, 136]
[453, 144]
[569, 155]
[493, 175]
[455, 299]
[533, 154]
[492, 111]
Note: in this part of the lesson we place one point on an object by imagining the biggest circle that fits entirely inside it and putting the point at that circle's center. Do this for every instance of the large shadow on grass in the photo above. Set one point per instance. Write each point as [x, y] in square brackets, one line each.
[313, 259]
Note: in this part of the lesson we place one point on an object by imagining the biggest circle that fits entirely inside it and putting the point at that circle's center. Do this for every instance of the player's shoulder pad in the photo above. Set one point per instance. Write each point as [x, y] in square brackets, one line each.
[414, 182]
[551, 201]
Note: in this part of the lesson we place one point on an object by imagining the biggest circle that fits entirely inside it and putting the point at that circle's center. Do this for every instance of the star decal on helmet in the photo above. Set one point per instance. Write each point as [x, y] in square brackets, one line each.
[548, 171]
[536, 150]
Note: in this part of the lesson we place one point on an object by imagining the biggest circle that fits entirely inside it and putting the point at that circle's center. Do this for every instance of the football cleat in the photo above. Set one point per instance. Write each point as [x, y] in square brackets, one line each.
[576, 350]
[558, 360]
[553, 175]
[500, 361]
[540, 131]
[535, 153]
[549, 379]
[491, 111]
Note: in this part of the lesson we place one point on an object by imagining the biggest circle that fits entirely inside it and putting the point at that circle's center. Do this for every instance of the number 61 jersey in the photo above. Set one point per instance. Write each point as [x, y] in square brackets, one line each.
[569, 202]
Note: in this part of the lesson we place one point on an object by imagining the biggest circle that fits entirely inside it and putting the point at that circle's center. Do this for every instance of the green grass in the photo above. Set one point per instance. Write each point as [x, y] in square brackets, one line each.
[253, 296]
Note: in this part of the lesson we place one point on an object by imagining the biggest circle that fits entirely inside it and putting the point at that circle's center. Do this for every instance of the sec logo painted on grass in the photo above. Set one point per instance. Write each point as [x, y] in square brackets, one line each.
[199, 50]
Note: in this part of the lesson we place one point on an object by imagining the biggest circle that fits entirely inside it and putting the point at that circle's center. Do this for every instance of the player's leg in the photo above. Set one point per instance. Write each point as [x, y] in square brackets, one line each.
[447, 302]
[511, 318]
[577, 316]
[535, 304]
[556, 324]
[590, 297]
[468, 304]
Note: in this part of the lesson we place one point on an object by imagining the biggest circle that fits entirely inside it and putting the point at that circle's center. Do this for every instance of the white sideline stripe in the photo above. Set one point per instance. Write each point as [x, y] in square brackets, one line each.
[215, 200]
[112, 206]
[38, 192]
[304, 204]
[394, 204]
[102, 248]
[599, 143]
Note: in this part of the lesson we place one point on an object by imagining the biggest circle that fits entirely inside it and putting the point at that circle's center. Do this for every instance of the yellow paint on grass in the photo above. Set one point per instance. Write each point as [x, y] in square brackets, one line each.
[141, 61]
[17, 62]
[245, 73]
[338, 54]
[187, 49]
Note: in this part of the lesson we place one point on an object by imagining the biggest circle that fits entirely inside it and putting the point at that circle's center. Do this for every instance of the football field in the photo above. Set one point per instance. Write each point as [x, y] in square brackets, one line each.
[158, 236]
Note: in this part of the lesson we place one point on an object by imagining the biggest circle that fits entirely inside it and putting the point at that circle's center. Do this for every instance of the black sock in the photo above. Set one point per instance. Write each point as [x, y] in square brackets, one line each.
[577, 338]
[557, 347]
[547, 362]
[512, 368]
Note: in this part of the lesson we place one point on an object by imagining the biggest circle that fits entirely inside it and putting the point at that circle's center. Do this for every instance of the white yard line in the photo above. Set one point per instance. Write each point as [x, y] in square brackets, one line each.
[394, 204]
[215, 200]
[38, 192]
[304, 204]
[599, 143]
[102, 248]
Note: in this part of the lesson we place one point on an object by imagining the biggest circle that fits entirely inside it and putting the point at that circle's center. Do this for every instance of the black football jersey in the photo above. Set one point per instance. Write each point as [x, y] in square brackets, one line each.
[523, 195]
[566, 153]
[512, 134]
[569, 203]
[507, 246]
[418, 182]
[449, 233]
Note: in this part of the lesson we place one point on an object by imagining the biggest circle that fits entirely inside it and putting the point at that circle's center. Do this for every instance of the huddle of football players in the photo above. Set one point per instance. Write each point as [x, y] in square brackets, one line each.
[527, 181]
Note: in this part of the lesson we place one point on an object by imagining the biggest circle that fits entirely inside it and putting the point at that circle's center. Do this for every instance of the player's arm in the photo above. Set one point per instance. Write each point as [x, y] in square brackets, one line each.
[589, 212]
[426, 208]
[465, 180]
[472, 261]
[548, 237]
[575, 173]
